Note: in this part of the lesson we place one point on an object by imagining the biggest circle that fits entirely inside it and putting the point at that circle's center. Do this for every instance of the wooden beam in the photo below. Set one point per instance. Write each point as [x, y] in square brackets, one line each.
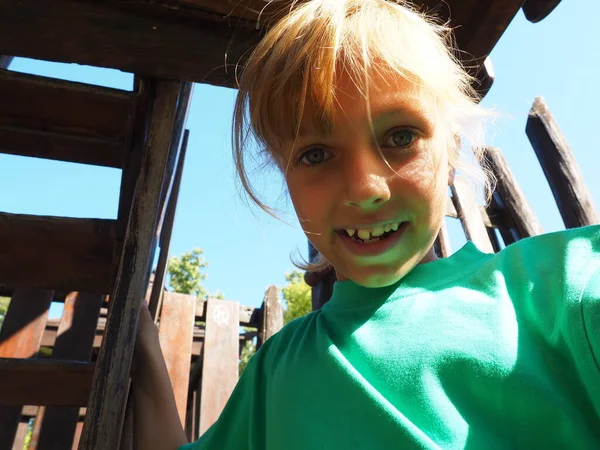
[272, 315]
[537, 10]
[520, 214]
[106, 407]
[57, 252]
[65, 383]
[572, 196]
[470, 215]
[68, 121]
[220, 368]
[5, 61]
[442, 242]
[195, 40]
[147, 38]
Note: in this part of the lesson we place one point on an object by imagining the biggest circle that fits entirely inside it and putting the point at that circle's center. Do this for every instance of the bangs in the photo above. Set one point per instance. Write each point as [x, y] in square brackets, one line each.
[299, 61]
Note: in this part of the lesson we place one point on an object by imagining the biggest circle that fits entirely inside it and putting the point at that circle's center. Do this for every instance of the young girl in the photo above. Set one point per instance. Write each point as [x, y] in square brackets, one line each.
[363, 108]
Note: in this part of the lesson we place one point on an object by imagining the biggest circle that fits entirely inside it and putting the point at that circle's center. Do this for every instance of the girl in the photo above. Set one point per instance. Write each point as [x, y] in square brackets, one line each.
[363, 108]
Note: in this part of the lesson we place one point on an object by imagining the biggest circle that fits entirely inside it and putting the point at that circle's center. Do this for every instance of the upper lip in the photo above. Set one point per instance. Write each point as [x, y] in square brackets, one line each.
[370, 226]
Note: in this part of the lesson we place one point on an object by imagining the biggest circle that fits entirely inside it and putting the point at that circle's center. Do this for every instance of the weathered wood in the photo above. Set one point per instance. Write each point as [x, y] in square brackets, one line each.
[442, 242]
[19, 442]
[66, 383]
[106, 406]
[20, 337]
[165, 236]
[249, 316]
[272, 315]
[57, 252]
[537, 10]
[30, 411]
[220, 368]
[470, 215]
[175, 334]
[146, 38]
[63, 115]
[566, 181]
[5, 61]
[196, 40]
[74, 342]
[519, 211]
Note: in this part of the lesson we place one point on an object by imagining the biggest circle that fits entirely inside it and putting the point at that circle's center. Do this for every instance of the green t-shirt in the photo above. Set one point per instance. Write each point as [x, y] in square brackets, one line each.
[473, 351]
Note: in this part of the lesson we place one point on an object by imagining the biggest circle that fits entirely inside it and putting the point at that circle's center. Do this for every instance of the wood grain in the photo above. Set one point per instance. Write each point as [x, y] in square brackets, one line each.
[57, 253]
[106, 407]
[564, 176]
[470, 215]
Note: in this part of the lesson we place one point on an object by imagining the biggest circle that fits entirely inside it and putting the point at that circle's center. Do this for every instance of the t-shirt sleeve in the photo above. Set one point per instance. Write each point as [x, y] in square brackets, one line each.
[241, 424]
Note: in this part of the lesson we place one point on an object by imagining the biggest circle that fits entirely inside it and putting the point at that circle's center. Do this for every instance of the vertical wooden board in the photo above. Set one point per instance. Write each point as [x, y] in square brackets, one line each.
[176, 334]
[470, 215]
[220, 367]
[75, 337]
[20, 337]
[77, 438]
[442, 242]
[272, 311]
[564, 176]
[110, 387]
[22, 430]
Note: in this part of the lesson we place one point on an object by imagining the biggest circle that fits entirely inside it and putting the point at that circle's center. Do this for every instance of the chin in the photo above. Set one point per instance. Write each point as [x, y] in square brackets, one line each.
[378, 279]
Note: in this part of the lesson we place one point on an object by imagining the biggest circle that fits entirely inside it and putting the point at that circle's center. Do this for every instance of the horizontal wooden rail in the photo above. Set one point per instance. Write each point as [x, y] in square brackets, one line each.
[57, 252]
[195, 40]
[44, 382]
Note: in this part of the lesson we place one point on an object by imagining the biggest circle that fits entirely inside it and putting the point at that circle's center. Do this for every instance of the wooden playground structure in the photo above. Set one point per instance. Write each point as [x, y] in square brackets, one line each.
[101, 269]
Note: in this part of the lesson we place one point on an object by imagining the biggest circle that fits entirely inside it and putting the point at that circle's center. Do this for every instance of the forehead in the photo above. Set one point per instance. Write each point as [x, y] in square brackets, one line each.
[376, 98]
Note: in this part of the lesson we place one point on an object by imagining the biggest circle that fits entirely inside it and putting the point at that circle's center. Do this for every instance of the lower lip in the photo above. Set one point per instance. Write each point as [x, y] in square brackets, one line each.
[376, 248]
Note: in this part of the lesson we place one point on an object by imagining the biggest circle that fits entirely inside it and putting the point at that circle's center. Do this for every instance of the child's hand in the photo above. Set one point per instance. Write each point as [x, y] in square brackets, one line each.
[146, 341]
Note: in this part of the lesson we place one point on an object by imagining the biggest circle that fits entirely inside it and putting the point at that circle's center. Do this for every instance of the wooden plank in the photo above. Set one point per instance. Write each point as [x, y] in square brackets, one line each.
[19, 442]
[249, 316]
[519, 211]
[57, 106]
[442, 242]
[5, 61]
[161, 39]
[57, 252]
[572, 196]
[272, 315]
[156, 295]
[150, 39]
[470, 215]
[220, 368]
[66, 383]
[175, 335]
[60, 147]
[76, 334]
[20, 337]
[106, 406]
[537, 10]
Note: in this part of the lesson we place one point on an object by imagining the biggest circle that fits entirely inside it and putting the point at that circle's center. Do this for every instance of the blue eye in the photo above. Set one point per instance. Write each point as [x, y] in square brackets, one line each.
[400, 138]
[314, 156]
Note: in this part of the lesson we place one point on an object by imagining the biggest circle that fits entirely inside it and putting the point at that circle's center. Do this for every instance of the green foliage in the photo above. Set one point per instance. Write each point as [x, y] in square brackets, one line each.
[297, 296]
[185, 273]
[4, 301]
[248, 350]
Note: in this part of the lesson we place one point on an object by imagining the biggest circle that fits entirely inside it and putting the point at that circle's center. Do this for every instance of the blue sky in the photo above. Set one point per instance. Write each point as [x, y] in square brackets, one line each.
[557, 59]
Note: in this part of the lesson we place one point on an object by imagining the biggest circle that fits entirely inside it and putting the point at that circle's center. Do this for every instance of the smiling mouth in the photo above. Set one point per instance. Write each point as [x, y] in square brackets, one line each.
[372, 235]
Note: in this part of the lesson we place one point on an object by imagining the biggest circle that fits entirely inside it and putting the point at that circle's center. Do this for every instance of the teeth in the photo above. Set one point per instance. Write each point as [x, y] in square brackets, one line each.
[387, 228]
[350, 232]
[395, 226]
[376, 232]
[364, 234]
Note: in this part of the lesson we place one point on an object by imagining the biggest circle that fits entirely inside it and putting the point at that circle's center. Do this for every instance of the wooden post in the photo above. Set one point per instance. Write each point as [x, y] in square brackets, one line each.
[20, 337]
[560, 167]
[106, 407]
[220, 368]
[271, 315]
[514, 201]
[442, 242]
[176, 334]
[470, 215]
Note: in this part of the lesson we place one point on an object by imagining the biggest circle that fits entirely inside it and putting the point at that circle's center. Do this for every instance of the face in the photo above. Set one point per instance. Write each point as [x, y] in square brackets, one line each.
[370, 190]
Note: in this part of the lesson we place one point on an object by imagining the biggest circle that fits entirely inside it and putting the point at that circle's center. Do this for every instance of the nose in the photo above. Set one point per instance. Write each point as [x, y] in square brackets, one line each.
[366, 178]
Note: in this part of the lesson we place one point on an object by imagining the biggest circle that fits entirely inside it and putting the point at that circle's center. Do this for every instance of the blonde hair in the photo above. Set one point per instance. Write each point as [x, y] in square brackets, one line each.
[299, 57]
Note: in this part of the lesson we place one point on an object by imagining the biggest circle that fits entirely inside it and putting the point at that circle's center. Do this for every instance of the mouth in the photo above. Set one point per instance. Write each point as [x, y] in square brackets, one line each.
[372, 241]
